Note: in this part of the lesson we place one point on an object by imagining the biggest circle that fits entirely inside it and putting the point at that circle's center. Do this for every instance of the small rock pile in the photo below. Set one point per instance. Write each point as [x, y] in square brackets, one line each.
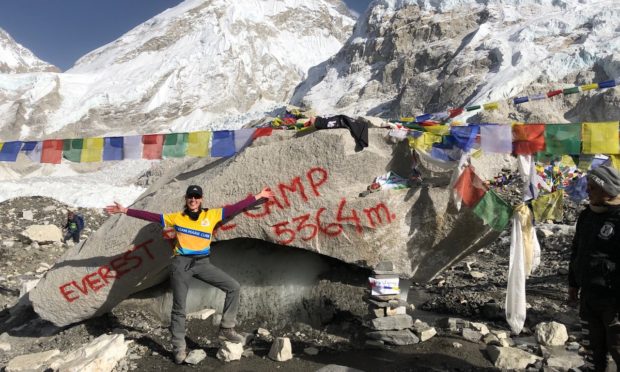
[389, 322]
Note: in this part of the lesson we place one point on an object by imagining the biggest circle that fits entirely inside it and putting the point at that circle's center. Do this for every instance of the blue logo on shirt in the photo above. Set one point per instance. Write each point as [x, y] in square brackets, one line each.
[187, 231]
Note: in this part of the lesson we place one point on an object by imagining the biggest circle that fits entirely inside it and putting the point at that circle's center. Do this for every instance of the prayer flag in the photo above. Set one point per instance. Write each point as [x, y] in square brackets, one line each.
[72, 149]
[440, 130]
[152, 146]
[424, 140]
[132, 147]
[470, 187]
[93, 150]
[600, 138]
[538, 97]
[198, 143]
[456, 112]
[51, 151]
[472, 108]
[549, 206]
[223, 144]
[494, 211]
[584, 162]
[572, 90]
[263, 132]
[588, 87]
[112, 148]
[465, 136]
[10, 150]
[496, 138]
[519, 100]
[554, 93]
[528, 138]
[423, 117]
[175, 145]
[615, 161]
[491, 106]
[33, 150]
[607, 84]
[577, 189]
[243, 138]
[563, 139]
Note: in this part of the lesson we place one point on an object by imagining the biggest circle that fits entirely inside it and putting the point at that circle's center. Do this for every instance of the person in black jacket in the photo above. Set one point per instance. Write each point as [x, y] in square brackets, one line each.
[594, 270]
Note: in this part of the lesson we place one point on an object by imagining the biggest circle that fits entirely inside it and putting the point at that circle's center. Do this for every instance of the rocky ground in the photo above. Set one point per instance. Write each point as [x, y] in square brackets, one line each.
[468, 293]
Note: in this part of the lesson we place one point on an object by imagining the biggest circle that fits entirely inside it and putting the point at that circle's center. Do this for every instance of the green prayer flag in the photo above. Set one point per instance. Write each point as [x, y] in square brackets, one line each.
[472, 108]
[175, 145]
[493, 210]
[562, 139]
[572, 90]
[72, 149]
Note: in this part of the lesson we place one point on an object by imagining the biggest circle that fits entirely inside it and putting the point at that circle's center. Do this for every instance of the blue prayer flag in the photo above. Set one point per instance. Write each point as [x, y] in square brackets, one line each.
[29, 146]
[465, 136]
[577, 189]
[10, 150]
[521, 100]
[113, 148]
[607, 84]
[423, 117]
[223, 144]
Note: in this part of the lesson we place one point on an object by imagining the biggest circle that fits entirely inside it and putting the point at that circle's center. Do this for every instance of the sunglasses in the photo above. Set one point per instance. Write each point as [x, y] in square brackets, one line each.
[193, 197]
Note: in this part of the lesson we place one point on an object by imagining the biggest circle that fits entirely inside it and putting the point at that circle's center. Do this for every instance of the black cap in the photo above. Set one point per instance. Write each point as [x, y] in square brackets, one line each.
[607, 177]
[194, 190]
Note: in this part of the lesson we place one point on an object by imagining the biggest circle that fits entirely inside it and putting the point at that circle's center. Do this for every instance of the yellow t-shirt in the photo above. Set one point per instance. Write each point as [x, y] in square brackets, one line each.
[193, 237]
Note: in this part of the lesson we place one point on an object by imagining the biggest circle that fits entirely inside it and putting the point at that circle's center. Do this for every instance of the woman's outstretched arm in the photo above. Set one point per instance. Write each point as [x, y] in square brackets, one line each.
[136, 213]
[231, 210]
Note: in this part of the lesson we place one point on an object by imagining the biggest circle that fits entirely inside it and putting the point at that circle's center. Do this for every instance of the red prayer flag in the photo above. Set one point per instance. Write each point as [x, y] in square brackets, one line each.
[528, 138]
[51, 151]
[456, 112]
[470, 187]
[152, 146]
[262, 132]
[554, 93]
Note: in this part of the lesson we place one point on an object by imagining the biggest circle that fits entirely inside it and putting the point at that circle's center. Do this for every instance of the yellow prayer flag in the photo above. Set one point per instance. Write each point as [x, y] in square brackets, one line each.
[424, 141]
[600, 138]
[476, 153]
[1, 144]
[491, 106]
[92, 150]
[585, 87]
[549, 206]
[407, 120]
[440, 130]
[198, 143]
[568, 161]
[615, 161]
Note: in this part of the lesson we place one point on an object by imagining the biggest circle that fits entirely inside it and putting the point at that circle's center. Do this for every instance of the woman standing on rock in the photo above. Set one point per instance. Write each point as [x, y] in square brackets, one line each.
[194, 228]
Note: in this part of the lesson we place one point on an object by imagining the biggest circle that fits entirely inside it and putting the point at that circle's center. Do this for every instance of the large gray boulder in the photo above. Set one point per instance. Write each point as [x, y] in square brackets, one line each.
[317, 180]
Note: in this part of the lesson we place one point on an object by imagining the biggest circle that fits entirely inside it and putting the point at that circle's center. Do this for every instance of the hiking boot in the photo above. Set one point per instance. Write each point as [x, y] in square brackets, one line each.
[229, 334]
[180, 355]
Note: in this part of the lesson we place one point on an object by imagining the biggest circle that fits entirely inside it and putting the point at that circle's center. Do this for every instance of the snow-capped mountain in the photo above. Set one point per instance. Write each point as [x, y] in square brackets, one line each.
[14, 58]
[413, 56]
[204, 64]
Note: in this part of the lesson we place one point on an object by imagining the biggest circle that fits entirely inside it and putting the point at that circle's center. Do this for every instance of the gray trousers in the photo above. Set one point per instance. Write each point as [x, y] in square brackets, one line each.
[184, 268]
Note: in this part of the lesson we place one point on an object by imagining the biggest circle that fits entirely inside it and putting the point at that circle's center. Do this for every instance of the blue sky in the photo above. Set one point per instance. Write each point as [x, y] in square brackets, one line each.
[61, 31]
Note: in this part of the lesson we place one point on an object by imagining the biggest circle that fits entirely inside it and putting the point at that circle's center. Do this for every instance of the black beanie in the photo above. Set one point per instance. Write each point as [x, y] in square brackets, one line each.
[607, 177]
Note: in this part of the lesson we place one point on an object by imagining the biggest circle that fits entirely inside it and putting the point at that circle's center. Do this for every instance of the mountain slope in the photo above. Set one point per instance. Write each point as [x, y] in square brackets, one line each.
[201, 65]
[408, 57]
[14, 58]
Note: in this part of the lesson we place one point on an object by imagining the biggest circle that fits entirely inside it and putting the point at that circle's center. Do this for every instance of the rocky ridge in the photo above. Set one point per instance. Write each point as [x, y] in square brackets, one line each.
[15, 59]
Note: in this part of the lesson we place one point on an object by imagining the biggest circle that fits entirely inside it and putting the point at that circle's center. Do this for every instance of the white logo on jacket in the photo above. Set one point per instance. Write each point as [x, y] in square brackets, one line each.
[606, 231]
[205, 222]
